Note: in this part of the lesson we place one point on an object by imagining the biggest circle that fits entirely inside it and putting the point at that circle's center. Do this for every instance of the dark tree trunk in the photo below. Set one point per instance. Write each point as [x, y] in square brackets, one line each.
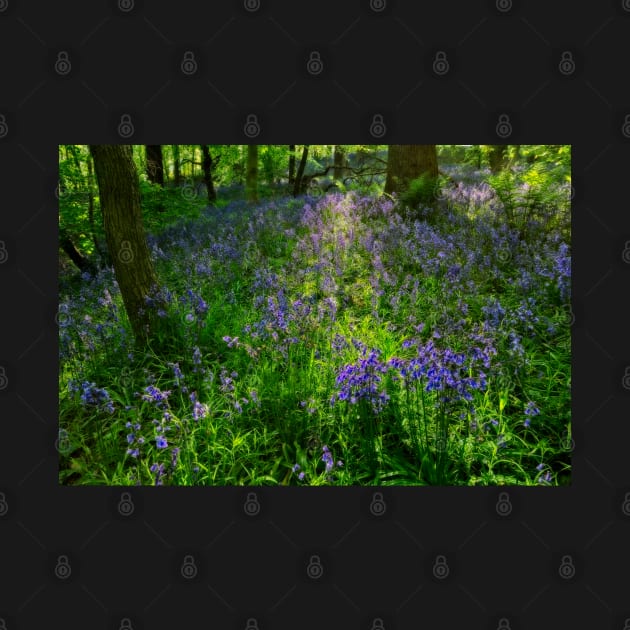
[155, 169]
[176, 172]
[409, 161]
[291, 164]
[193, 161]
[124, 231]
[298, 188]
[155, 164]
[207, 172]
[251, 181]
[497, 157]
[65, 242]
[339, 161]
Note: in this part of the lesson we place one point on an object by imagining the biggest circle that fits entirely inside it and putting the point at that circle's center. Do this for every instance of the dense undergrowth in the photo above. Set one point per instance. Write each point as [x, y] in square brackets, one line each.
[339, 340]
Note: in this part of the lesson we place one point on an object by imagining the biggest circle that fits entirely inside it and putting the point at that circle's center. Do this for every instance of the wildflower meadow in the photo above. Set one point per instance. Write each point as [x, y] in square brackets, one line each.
[339, 336]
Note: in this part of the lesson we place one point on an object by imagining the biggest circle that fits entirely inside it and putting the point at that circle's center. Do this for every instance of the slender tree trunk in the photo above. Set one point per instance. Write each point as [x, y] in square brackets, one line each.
[409, 161]
[251, 181]
[207, 172]
[155, 169]
[176, 172]
[193, 161]
[124, 231]
[77, 164]
[291, 164]
[97, 245]
[82, 263]
[300, 173]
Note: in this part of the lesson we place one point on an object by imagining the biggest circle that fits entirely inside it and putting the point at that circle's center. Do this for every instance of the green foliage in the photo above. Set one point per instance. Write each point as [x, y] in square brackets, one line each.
[534, 195]
[74, 194]
[422, 195]
[421, 192]
[278, 414]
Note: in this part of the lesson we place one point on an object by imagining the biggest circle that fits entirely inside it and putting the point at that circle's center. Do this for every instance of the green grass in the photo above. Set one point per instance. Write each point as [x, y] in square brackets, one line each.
[276, 411]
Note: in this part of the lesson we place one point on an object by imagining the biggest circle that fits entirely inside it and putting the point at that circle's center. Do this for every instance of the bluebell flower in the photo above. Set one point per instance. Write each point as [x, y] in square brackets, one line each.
[158, 469]
[531, 409]
[97, 397]
[327, 458]
[174, 454]
[231, 341]
[153, 394]
[177, 373]
[196, 357]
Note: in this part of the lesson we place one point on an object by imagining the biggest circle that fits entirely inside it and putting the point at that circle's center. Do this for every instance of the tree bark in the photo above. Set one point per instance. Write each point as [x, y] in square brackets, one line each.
[409, 161]
[207, 172]
[124, 231]
[291, 164]
[297, 189]
[82, 263]
[176, 172]
[497, 157]
[155, 164]
[97, 246]
[339, 160]
[251, 181]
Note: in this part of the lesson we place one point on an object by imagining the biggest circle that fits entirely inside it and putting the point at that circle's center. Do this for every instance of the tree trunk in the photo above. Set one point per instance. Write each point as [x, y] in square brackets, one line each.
[176, 172]
[207, 172]
[83, 263]
[251, 181]
[409, 161]
[124, 231]
[291, 164]
[300, 173]
[155, 164]
[77, 164]
[97, 246]
[339, 160]
[497, 157]
[193, 161]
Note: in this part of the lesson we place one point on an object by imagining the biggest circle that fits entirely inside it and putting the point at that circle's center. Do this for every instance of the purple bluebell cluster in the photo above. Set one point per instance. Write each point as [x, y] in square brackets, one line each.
[134, 440]
[531, 410]
[154, 395]
[199, 410]
[446, 371]
[195, 302]
[363, 380]
[328, 459]
[93, 396]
